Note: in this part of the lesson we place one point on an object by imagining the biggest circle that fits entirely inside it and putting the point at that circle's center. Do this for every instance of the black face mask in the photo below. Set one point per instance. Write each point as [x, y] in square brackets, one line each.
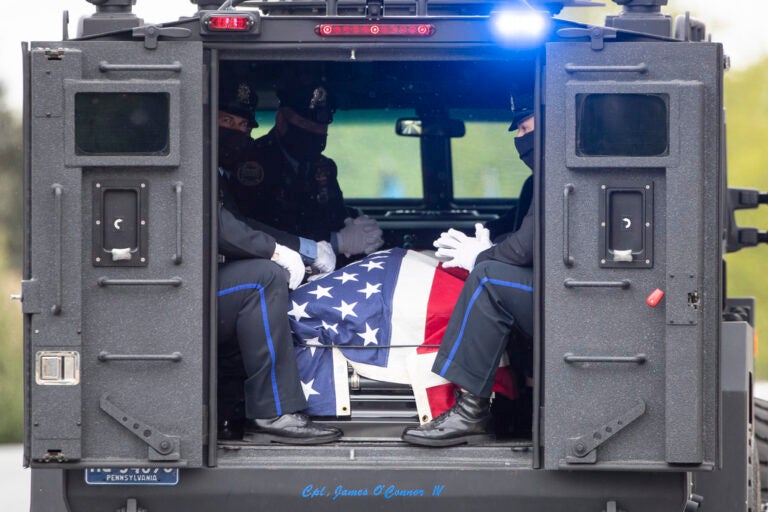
[303, 145]
[233, 147]
[524, 147]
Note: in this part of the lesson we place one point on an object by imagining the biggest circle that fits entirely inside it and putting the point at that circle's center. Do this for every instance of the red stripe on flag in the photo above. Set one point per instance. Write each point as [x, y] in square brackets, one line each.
[446, 287]
[441, 398]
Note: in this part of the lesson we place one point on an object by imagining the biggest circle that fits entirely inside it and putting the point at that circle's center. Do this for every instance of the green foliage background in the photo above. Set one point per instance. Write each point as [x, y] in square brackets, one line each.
[746, 101]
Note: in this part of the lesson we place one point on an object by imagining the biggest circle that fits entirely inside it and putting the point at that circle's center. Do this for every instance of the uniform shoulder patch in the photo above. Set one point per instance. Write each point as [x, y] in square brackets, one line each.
[250, 174]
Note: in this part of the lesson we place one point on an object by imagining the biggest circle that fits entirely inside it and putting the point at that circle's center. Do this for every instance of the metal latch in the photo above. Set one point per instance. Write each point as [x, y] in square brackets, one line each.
[597, 35]
[583, 449]
[151, 33]
[57, 368]
[161, 446]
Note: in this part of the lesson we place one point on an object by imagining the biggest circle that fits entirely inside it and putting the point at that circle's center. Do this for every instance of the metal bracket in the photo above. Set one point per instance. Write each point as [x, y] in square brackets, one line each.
[151, 33]
[131, 505]
[374, 9]
[583, 449]
[162, 447]
[596, 35]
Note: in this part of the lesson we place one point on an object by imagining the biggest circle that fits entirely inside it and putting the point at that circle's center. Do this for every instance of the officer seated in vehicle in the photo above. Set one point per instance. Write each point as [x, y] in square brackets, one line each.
[497, 296]
[255, 274]
[288, 184]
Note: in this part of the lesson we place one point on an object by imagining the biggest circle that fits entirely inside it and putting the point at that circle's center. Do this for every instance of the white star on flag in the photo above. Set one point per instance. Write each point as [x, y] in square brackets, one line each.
[298, 311]
[315, 342]
[369, 335]
[346, 309]
[346, 277]
[308, 390]
[322, 291]
[330, 327]
[373, 264]
[370, 289]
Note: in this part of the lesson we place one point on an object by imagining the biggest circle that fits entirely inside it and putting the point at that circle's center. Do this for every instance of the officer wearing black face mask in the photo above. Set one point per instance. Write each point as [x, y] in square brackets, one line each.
[260, 394]
[289, 185]
[496, 297]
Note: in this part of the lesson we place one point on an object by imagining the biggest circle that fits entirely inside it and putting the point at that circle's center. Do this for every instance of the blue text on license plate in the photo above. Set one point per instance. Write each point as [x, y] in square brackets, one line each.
[132, 476]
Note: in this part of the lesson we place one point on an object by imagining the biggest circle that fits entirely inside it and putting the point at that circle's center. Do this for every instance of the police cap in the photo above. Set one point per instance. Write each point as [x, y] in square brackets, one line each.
[237, 97]
[310, 100]
[522, 108]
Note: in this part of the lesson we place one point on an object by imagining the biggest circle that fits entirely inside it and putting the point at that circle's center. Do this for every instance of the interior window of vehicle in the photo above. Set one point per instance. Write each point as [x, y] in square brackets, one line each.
[485, 162]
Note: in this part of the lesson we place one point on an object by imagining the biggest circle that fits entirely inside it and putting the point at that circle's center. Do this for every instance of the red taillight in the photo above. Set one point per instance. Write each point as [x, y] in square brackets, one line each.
[230, 22]
[375, 30]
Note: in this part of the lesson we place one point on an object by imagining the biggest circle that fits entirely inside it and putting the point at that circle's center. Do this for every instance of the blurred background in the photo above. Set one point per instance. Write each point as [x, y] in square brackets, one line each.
[736, 23]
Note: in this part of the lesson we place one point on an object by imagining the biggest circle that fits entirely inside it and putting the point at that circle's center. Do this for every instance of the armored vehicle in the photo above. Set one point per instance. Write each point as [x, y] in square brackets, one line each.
[636, 388]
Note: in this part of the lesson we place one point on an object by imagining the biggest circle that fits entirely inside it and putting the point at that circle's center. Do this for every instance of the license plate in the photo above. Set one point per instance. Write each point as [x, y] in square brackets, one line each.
[132, 476]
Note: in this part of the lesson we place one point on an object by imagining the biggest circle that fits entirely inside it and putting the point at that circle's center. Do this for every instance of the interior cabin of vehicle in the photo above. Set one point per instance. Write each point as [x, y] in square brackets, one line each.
[421, 146]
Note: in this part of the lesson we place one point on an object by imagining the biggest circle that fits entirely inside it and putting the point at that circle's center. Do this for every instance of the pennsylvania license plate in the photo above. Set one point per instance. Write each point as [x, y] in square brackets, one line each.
[132, 476]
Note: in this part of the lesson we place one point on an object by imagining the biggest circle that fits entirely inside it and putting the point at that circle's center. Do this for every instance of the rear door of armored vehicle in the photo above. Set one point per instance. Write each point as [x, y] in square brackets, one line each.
[631, 266]
[113, 294]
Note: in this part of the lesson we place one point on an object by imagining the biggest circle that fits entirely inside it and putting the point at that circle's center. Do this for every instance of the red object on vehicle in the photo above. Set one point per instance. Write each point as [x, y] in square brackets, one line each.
[375, 30]
[654, 298]
[240, 23]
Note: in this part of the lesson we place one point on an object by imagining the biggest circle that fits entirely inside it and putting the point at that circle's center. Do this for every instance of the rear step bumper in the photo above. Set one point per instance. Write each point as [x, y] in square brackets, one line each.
[370, 477]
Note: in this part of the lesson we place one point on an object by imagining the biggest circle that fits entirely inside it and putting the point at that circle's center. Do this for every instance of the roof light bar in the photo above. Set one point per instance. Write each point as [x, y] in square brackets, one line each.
[519, 25]
[375, 30]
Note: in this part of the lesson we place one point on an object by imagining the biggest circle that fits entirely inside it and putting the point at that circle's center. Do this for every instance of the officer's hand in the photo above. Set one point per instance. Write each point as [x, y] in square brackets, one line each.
[359, 236]
[460, 250]
[326, 259]
[290, 260]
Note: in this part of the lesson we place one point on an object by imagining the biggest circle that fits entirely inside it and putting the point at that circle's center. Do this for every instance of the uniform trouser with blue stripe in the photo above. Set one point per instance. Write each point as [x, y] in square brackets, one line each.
[253, 324]
[495, 298]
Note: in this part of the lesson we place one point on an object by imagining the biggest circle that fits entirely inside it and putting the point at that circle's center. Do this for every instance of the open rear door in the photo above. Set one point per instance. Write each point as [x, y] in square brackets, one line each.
[113, 295]
[632, 255]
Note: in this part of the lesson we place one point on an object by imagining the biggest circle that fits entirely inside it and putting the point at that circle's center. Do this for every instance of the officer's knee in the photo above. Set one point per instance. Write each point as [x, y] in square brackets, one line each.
[264, 272]
[492, 269]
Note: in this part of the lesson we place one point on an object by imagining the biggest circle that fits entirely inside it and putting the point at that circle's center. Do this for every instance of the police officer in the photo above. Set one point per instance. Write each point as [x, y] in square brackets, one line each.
[289, 185]
[497, 296]
[254, 277]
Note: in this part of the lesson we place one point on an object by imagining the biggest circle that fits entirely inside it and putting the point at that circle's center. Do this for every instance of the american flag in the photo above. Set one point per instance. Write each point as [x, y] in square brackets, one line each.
[383, 315]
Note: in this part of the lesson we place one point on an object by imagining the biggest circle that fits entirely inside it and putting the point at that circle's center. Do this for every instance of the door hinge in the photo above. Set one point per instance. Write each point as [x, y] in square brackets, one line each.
[162, 447]
[30, 297]
[583, 449]
[151, 33]
[596, 35]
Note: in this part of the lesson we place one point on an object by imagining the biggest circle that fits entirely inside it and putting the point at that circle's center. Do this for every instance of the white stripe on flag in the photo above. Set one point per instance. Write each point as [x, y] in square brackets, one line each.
[341, 383]
[409, 317]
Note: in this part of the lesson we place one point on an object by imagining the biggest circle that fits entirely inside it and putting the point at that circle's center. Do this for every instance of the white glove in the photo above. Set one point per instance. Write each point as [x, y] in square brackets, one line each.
[359, 236]
[290, 260]
[461, 250]
[326, 259]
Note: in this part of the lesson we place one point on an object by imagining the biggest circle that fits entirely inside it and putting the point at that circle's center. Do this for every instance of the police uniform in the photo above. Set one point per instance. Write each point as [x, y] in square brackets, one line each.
[300, 199]
[497, 297]
[252, 323]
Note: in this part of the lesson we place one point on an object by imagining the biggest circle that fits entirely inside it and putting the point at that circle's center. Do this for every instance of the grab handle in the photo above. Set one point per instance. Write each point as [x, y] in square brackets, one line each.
[567, 258]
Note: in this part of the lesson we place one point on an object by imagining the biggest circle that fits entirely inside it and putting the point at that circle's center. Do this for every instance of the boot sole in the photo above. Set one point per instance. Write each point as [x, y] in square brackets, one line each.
[265, 438]
[470, 440]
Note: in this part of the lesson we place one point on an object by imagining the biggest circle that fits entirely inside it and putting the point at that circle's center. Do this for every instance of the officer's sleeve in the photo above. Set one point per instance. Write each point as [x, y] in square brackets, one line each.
[281, 237]
[238, 240]
[338, 211]
[515, 248]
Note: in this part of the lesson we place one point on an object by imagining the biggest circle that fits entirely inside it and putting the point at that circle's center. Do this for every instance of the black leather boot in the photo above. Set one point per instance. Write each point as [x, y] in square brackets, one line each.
[464, 423]
[293, 428]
